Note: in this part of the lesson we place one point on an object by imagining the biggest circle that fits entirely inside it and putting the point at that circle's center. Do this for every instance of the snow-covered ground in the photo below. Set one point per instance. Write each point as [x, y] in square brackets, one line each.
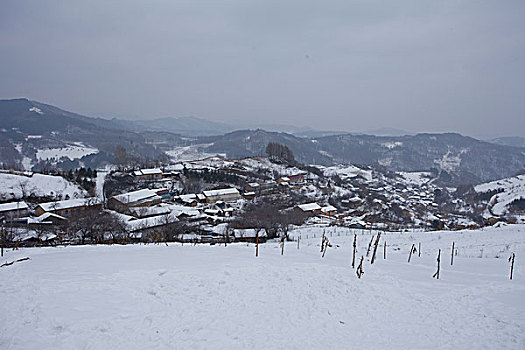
[17, 186]
[216, 297]
[513, 188]
[190, 153]
[73, 151]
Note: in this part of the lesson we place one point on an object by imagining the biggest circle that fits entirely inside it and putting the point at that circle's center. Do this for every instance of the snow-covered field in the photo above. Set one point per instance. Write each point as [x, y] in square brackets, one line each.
[216, 297]
[190, 153]
[513, 188]
[17, 186]
[73, 151]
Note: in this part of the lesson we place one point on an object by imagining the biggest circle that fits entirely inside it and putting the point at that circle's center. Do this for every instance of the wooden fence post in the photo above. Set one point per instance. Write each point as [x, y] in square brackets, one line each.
[375, 247]
[257, 243]
[419, 249]
[353, 254]
[452, 255]
[282, 245]
[384, 250]
[436, 275]
[298, 239]
[359, 271]
[511, 259]
[369, 246]
[411, 251]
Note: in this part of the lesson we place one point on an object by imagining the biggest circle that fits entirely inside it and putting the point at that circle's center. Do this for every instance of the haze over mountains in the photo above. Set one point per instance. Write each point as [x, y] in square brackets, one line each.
[29, 128]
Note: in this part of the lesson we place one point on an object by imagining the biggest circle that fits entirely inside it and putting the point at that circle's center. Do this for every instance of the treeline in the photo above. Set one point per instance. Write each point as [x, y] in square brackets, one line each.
[212, 176]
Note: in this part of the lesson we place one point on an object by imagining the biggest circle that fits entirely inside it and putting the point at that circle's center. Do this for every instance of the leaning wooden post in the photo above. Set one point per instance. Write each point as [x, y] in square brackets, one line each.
[511, 259]
[375, 247]
[257, 243]
[452, 255]
[326, 245]
[359, 271]
[369, 246]
[411, 251]
[436, 275]
[322, 242]
[384, 250]
[3, 238]
[353, 254]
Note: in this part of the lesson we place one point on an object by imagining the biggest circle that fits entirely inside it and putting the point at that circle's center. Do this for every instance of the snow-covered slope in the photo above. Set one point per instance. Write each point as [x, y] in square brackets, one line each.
[73, 151]
[216, 297]
[17, 186]
[512, 188]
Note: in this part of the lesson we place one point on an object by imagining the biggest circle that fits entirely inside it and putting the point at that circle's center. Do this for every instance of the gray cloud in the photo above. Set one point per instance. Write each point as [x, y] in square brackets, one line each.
[346, 65]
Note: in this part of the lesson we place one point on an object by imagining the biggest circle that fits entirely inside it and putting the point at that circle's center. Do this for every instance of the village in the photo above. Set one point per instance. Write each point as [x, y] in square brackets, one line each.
[215, 200]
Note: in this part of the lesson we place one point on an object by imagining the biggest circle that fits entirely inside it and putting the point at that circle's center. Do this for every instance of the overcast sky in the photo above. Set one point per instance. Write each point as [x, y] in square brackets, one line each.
[333, 65]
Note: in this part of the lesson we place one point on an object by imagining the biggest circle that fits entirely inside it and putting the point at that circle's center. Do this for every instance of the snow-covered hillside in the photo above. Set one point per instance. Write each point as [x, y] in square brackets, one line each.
[73, 151]
[511, 189]
[17, 186]
[216, 297]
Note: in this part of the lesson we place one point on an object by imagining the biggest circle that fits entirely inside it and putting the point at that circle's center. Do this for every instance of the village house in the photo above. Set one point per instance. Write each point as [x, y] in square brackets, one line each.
[309, 208]
[69, 207]
[141, 198]
[148, 174]
[225, 195]
[13, 210]
[329, 210]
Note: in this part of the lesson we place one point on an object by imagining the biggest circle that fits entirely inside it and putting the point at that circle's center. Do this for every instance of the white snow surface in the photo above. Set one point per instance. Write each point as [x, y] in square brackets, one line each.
[416, 177]
[74, 151]
[217, 297]
[513, 188]
[14, 186]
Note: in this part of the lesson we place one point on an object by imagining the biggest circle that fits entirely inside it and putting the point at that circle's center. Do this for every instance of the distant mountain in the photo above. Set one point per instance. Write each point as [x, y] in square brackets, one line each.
[31, 132]
[187, 126]
[249, 143]
[469, 159]
[386, 131]
[515, 141]
[458, 159]
[29, 126]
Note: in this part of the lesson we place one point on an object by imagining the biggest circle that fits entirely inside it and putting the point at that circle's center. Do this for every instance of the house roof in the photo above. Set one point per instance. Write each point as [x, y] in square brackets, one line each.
[46, 216]
[136, 196]
[309, 206]
[13, 206]
[151, 211]
[222, 192]
[328, 208]
[151, 171]
[68, 204]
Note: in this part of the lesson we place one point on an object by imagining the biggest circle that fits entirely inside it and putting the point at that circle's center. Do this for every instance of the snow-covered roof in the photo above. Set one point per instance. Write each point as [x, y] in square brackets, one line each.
[248, 233]
[46, 216]
[70, 203]
[13, 206]
[151, 171]
[188, 197]
[150, 211]
[253, 184]
[136, 196]
[328, 208]
[222, 192]
[142, 224]
[309, 206]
